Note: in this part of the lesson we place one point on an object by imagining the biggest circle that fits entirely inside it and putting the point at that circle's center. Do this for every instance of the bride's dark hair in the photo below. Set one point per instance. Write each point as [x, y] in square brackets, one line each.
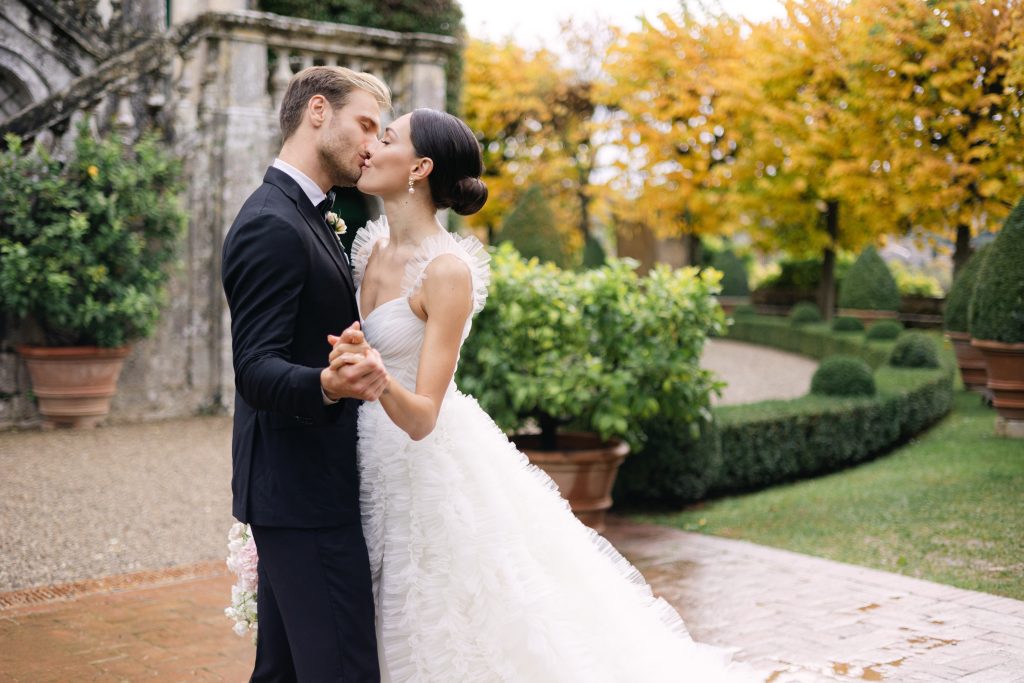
[458, 164]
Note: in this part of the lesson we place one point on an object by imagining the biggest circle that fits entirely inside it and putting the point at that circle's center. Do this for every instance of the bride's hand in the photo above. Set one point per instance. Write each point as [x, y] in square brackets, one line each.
[351, 341]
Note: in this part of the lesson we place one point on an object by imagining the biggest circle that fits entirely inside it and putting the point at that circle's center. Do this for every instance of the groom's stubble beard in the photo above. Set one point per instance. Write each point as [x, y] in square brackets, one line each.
[339, 158]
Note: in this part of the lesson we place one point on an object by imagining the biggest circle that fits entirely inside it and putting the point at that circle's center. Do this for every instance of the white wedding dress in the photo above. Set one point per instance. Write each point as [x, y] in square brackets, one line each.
[480, 570]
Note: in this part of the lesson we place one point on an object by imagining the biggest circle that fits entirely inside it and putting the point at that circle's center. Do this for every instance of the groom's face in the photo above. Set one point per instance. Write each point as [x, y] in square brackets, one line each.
[346, 139]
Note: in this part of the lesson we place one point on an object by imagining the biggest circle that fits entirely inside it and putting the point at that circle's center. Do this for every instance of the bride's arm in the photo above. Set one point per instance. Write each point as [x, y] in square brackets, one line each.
[447, 299]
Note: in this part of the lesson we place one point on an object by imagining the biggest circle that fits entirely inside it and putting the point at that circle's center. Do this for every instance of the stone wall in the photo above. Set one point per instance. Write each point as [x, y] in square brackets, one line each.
[212, 85]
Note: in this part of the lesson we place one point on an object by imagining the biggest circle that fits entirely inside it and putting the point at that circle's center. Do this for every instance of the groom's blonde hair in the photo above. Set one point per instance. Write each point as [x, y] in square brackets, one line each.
[335, 83]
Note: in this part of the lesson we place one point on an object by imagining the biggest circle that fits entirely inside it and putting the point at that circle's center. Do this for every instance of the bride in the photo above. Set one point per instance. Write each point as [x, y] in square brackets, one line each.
[480, 570]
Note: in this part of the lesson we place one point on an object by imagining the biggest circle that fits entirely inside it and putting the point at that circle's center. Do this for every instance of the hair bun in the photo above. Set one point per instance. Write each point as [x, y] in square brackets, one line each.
[468, 196]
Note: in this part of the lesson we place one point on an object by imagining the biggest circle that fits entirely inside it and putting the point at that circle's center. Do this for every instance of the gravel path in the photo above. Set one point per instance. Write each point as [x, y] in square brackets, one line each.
[78, 505]
[756, 373]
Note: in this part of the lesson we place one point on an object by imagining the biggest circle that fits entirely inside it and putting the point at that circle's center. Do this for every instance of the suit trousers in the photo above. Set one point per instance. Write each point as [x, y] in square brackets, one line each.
[315, 604]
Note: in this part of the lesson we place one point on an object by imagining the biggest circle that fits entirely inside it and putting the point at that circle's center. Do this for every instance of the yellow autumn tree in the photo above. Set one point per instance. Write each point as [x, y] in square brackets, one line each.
[809, 179]
[673, 92]
[945, 81]
[534, 118]
[503, 103]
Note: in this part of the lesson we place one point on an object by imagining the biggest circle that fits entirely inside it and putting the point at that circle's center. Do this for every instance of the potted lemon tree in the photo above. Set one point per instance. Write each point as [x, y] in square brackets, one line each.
[996, 319]
[585, 358]
[84, 247]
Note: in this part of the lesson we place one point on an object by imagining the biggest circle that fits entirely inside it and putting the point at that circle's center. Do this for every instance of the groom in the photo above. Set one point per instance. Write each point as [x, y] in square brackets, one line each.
[294, 480]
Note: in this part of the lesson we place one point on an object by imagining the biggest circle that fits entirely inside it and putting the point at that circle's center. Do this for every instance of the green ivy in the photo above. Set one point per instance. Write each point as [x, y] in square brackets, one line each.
[85, 244]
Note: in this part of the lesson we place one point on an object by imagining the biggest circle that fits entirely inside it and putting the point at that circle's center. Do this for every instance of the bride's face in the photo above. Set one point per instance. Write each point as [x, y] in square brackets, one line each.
[392, 160]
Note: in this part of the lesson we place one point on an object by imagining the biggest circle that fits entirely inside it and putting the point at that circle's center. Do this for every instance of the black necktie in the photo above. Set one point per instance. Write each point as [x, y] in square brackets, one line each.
[326, 205]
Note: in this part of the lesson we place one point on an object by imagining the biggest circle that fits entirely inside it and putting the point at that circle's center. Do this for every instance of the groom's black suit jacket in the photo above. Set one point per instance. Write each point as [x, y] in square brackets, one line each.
[288, 286]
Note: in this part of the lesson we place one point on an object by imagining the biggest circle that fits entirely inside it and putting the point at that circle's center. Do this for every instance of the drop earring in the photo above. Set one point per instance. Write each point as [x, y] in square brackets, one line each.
[412, 190]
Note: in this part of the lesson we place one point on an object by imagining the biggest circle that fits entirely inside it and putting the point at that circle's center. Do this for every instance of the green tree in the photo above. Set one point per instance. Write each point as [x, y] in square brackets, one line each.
[531, 227]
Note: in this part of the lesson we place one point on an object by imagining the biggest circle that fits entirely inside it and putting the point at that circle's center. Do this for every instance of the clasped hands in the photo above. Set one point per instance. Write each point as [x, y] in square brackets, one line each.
[356, 369]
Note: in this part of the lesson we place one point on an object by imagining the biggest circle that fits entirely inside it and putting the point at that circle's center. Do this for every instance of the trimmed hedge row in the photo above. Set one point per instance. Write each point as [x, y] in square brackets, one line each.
[814, 340]
[757, 445]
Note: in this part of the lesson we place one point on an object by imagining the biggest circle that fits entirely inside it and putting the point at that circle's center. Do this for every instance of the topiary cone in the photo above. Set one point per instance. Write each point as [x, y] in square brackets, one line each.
[969, 359]
[996, 319]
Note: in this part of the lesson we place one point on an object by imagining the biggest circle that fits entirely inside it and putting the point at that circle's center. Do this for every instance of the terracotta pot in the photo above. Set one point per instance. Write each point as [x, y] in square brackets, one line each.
[1005, 364]
[584, 469]
[867, 316]
[73, 384]
[971, 361]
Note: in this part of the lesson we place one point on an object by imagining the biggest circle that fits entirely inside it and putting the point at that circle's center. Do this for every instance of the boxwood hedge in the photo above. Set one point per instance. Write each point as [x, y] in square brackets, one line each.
[753, 446]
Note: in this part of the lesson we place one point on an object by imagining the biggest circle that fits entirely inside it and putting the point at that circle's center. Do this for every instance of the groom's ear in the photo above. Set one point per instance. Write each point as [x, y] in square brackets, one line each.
[317, 108]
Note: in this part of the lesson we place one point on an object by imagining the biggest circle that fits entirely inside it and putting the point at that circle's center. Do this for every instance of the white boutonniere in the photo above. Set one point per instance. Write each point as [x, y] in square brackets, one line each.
[336, 223]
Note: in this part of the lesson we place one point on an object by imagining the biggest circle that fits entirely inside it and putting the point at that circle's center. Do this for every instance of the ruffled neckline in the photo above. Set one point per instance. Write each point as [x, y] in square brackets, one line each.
[465, 247]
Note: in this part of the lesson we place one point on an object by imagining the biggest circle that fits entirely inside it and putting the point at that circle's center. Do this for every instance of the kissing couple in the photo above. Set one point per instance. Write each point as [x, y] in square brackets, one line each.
[401, 536]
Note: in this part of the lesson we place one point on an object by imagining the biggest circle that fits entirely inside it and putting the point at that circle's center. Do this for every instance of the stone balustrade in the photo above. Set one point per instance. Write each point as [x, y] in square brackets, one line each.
[213, 85]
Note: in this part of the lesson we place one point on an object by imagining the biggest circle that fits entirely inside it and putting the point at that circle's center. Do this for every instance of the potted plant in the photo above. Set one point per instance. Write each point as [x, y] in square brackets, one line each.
[996, 322]
[869, 291]
[969, 358]
[84, 248]
[585, 358]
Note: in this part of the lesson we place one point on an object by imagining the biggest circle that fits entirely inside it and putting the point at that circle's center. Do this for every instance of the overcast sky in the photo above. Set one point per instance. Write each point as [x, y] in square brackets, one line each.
[536, 21]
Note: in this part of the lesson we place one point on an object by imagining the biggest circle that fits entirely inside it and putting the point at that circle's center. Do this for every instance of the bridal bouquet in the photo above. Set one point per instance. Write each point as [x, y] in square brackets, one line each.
[242, 561]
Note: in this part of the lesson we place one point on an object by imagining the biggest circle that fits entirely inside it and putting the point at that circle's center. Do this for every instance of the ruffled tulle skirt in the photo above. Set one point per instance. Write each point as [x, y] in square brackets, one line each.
[482, 573]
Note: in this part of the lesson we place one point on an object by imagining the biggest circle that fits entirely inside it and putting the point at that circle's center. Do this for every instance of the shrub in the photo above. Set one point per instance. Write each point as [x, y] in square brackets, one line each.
[85, 243]
[885, 330]
[843, 376]
[756, 445]
[734, 273]
[815, 341]
[594, 255]
[804, 273]
[869, 285]
[847, 324]
[603, 350]
[954, 315]
[804, 313]
[532, 229]
[915, 350]
[997, 307]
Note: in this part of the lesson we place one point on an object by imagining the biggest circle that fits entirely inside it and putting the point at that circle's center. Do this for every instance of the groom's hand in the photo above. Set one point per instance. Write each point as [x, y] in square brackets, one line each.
[353, 373]
[364, 378]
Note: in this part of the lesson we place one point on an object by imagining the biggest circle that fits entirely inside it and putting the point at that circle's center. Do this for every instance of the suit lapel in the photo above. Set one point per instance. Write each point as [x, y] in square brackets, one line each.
[313, 219]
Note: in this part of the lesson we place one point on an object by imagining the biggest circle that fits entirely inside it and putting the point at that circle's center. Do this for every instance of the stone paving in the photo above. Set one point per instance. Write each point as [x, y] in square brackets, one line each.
[793, 618]
[798, 618]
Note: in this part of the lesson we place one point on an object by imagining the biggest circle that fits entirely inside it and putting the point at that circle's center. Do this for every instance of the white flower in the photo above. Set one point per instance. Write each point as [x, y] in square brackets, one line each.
[336, 223]
[242, 560]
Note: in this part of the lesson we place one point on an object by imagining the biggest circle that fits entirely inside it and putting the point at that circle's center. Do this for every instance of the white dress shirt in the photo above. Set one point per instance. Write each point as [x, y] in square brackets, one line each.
[312, 190]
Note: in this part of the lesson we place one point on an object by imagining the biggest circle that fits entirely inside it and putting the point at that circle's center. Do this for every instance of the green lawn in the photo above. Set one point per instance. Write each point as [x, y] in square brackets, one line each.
[948, 507]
